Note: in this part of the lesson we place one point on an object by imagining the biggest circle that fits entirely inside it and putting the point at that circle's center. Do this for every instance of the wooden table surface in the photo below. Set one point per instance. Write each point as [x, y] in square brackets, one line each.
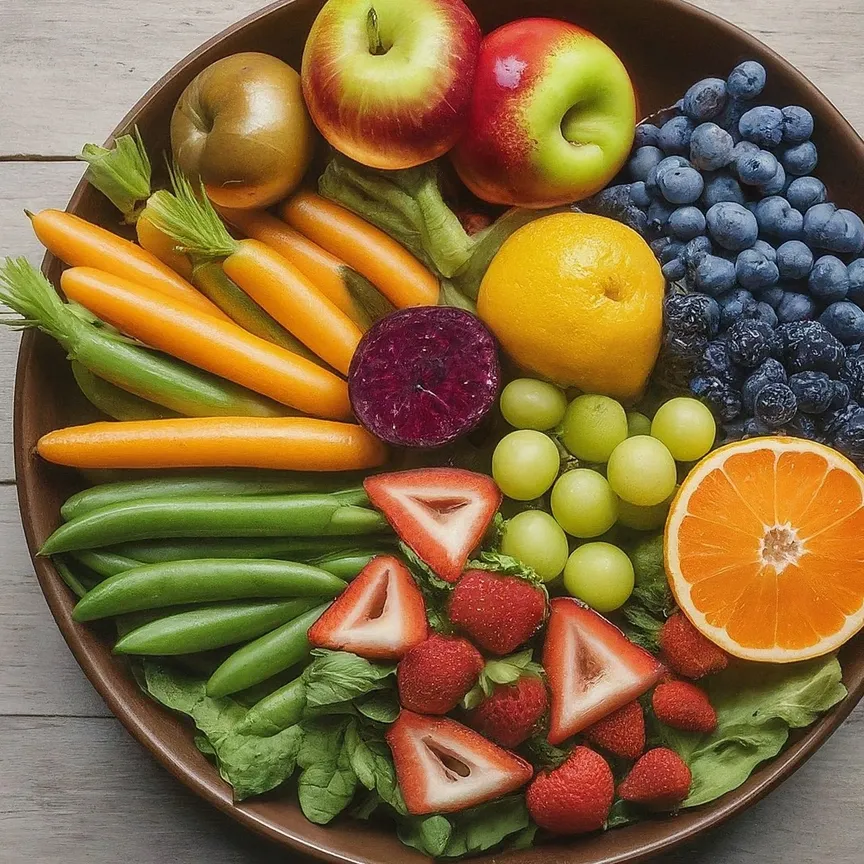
[74, 786]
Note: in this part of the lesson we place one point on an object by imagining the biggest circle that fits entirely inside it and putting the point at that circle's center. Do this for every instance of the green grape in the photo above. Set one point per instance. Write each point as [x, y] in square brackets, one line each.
[593, 427]
[637, 424]
[525, 464]
[642, 471]
[583, 503]
[536, 539]
[686, 427]
[643, 518]
[600, 575]
[527, 403]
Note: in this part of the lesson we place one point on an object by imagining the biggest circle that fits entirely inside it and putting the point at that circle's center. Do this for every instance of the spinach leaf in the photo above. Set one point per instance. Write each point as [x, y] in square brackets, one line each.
[328, 782]
[429, 834]
[651, 601]
[338, 676]
[371, 761]
[381, 706]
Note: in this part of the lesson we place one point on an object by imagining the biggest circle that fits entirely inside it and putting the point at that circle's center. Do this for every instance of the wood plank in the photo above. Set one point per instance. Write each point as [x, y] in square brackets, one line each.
[103, 800]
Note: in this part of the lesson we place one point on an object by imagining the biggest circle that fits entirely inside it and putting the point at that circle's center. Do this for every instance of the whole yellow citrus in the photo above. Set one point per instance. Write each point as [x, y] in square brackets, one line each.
[577, 299]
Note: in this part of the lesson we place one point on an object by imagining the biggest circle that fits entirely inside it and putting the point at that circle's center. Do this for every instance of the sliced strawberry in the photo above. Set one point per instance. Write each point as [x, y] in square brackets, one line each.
[592, 668]
[441, 513]
[443, 766]
[381, 615]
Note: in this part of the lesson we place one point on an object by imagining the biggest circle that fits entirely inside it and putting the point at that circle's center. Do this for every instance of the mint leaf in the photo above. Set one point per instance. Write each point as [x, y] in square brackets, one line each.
[328, 782]
[756, 704]
[338, 676]
[381, 706]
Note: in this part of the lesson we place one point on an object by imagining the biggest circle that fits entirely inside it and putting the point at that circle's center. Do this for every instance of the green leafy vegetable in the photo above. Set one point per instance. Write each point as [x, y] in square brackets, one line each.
[121, 174]
[371, 761]
[381, 706]
[756, 706]
[328, 782]
[436, 592]
[504, 670]
[338, 676]
[651, 601]
[506, 565]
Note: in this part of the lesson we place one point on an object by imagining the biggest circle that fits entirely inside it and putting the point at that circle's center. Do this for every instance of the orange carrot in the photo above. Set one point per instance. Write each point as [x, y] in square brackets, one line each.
[371, 252]
[82, 244]
[285, 443]
[162, 247]
[220, 347]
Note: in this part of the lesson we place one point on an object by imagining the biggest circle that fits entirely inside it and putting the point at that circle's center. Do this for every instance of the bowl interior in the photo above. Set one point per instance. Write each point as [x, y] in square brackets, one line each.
[666, 45]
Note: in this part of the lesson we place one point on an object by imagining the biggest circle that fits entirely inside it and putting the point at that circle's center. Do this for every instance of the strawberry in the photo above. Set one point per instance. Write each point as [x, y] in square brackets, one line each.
[660, 780]
[498, 612]
[443, 766]
[621, 733]
[441, 513]
[575, 797]
[434, 675]
[683, 705]
[511, 714]
[592, 668]
[687, 651]
[379, 616]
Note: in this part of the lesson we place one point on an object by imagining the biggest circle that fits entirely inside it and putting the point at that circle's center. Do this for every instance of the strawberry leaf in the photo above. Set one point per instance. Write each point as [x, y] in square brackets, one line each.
[503, 670]
[498, 563]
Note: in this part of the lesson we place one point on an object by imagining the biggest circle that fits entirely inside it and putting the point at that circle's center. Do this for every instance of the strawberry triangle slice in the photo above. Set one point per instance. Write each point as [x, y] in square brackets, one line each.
[381, 615]
[443, 766]
[441, 513]
[592, 668]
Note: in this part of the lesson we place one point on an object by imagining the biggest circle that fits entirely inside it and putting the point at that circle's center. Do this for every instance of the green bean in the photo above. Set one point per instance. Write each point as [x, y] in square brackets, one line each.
[346, 566]
[306, 549]
[265, 657]
[278, 711]
[115, 401]
[212, 627]
[214, 516]
[106, 564]
[155, 586]
[75, 585]
[221, 483]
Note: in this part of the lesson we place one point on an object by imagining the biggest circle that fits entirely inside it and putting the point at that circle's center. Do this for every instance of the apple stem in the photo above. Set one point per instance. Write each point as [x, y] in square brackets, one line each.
[373, 34]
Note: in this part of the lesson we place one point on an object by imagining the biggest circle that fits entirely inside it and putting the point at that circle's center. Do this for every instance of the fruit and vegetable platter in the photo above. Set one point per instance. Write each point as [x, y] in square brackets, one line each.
[464, 461]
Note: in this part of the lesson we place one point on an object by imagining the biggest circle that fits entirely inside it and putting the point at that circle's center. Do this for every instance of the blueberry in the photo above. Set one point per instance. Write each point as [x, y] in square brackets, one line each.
[794, 260]
[776, 218]
[695, 248]
[800, 159]
[795, 307]
[805, 192]
[765, 312]
[772, 296]
[845, 321]
[775, 405]
[762, 126]
[849, 438]
[639, 195]
[647, 135]
[813, 390]
[829, 279]
[657, 246]
[746, 80]
[776, 184]
[735, 305]
[852, 375]
[717, 363]
[750, 343]
[658, 215]
[834, 420]
[818, 353]
[804, 426]
[797, 124]
[721, 187]
[674, 138]
[710, 147]
[730, 117]
[732, 226]
[766, 249]
[855, 272]
[680, 185]
[670, 250]
[770, 372]
[754, 428]
[674, 270]
[826, 227]
[670, 162]
[705, 99]
[841, 395]
[691, 316]
[794, 333]
[732, 431]
[754, 271]
[686, 223]
[722, 399]
[744, 148]
[643, 160]
[756, 169]
[714, 275]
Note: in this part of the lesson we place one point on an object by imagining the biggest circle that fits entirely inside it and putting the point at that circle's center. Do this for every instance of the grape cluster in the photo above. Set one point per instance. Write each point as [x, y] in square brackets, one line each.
[766, 317]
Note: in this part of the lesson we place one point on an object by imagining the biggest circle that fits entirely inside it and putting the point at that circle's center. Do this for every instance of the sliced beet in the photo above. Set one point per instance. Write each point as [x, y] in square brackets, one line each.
[423, 376]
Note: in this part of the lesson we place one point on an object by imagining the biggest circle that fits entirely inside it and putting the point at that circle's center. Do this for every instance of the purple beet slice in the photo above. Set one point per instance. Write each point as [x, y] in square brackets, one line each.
[423, 376]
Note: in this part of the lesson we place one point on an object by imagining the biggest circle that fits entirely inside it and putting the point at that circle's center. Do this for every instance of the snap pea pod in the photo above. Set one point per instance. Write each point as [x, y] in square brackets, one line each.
[266, 656]
[346, 566]
[105, 564]
[75, 585]
[290, 548]
[115, 401]
[214, 516]
[155, 586]
[212, 627]
[223, 483]
[281, 709]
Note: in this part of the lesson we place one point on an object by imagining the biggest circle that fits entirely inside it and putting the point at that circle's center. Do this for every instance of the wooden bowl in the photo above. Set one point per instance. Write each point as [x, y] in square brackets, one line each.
[667, 45]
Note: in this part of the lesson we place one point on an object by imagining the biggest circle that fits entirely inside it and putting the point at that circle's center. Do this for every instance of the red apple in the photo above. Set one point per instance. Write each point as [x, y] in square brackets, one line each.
[389, 83]
[552, 116]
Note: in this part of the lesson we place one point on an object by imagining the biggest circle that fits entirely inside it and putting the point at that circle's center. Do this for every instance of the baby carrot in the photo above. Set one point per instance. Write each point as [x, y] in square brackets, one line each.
[292, 443]
[218, 346]
[82, 244]
[371, 252]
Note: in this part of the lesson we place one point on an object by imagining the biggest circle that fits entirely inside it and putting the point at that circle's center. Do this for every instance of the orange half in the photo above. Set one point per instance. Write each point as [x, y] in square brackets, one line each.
[765, 549]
